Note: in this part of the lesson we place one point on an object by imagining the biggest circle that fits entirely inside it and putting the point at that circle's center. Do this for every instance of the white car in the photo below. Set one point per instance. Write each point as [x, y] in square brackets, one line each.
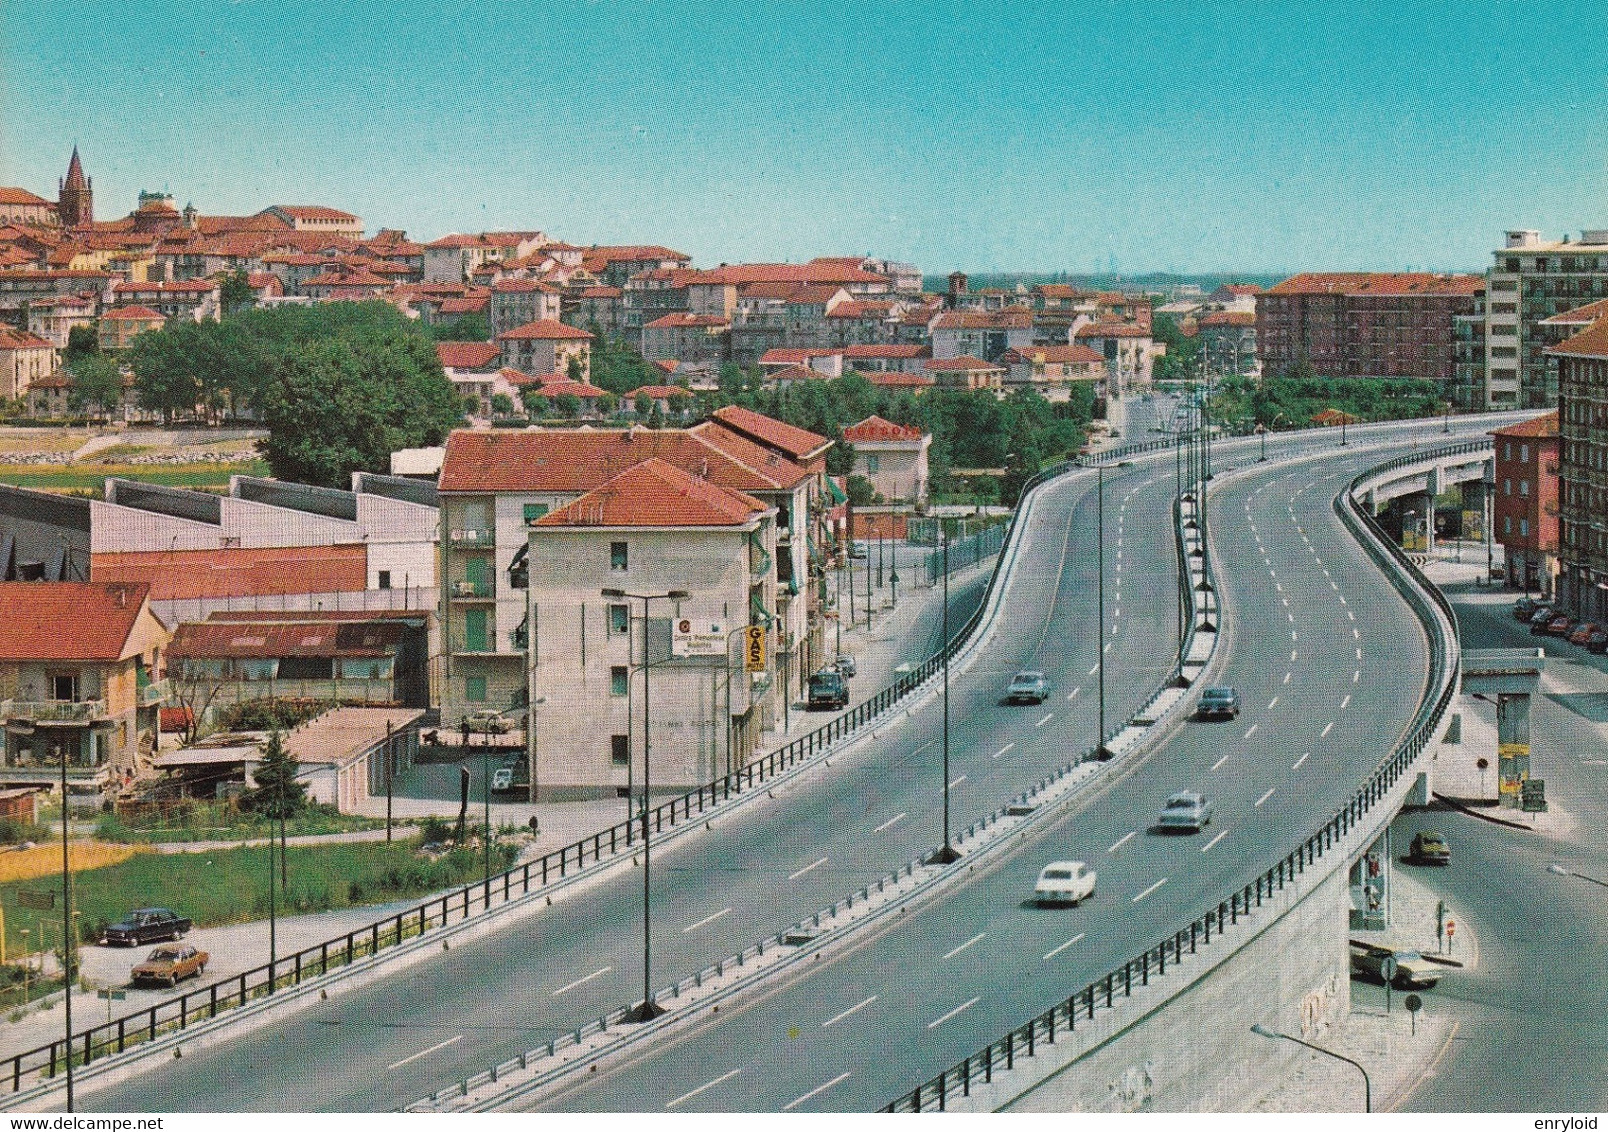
[1064, 882]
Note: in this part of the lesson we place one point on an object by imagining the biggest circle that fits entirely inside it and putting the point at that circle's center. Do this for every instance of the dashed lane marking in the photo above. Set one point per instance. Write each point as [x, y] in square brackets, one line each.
[1266, 796]
[836, 1018]
[974, 939]
[1056, 951]
[899, 817]
[705, 921]
[701, 1088]
[815, 1092]
[1148, 891]
[582, 981]
[1301, 760]
[941, 1019]
[813, 865]
[1123, 840]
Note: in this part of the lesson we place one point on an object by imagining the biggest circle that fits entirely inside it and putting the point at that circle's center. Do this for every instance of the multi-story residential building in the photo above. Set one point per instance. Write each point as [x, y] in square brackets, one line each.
[1228, 340]
[318, 219]
[651, 529]
[981, 334]
[120, 326]
[21, 288]
[79, 672]
[1530, 281]
[862, 322]
[893, 457]
[24, 359]
[1526, 505]
[596, 306]
[19, 206]
[1366, 324]
[1129, 349]
[697, 339]
[1051, 370]
[455, 258]
[54, 319]
[966, 372]
[473, 368]
[890, 358]
[546, 347]
[615, 264]
[195, 299]
[515, 302]
[496, 484]
[1582, 365]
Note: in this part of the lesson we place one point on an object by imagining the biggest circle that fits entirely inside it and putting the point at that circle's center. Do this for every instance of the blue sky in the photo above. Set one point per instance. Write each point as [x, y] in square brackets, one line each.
[999, 136]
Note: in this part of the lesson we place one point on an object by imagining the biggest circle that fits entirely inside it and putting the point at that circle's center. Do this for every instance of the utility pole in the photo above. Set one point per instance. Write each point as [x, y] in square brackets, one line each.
[945, 855]
[1099, 740]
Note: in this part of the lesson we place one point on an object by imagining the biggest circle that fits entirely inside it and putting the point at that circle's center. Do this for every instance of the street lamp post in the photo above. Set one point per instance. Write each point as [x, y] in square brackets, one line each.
[1446, 425]
[648, 1010]
[1367, 1086]
[532, 743]
[67, 924]
[1100, 751]
[946, 855]
[1567, 872]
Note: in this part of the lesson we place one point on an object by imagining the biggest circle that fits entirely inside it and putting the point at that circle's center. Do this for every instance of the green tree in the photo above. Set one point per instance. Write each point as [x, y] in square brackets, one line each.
[680, 405]
[502, 405]
[235, 293]
[97, 382]
[573, 369]
[642, 406]
[464, 328]
[568, 405]
[278, 793]
[861, 491]
[608, 403]
[535, 403]
[82, 342]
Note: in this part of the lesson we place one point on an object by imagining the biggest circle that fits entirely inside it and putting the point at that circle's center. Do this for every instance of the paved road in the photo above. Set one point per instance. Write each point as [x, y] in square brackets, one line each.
[1330, 666]
[784, 859]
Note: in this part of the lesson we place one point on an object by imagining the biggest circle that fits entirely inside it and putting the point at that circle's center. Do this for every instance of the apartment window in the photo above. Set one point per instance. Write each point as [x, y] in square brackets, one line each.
[619, 680]
[619, 556]
[620, 750]
[1524, 487]
[64, 687]
[1507, 450]
[1524, 453]
[534, 511]
[474, 630]
[871, 463]
[385, 579]
[1507, 524]
[619, 619]
[1524, 528]
[1507, 487]
[474, 689]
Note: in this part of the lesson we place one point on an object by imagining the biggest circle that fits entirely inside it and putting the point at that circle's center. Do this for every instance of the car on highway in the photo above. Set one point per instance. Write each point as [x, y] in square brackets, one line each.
[1064, 882]
[169, 964]
[827, 691]
[1410, 969]
[146, 925]
[1028, 687]
[510, 775]
[1560, 626]
[1187, 811]
[1582, 633]
[1218, 703]
[1430, 848]
[1524, 608]
[847, 666]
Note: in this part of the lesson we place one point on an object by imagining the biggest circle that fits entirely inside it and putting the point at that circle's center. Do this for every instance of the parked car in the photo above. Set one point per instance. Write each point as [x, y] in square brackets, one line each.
[1524, 608]
[487, 722]
[1582, 633]
[146, 925]
[510, 775]
[1430, 848]
[1598, 641]
[1560, 626]
[1411, 969]
[169, 964]
[859, 548]
[846, 666]
[1186, 811]
[1219, 703]
[828, 691]
[1542, 616]
[1064, 882]
[1028, 687]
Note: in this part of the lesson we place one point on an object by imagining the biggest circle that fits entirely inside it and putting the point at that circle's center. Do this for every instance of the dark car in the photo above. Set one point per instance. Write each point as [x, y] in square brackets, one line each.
[1582, 633]
[1524, 608]
[847, 665]
[828, 690]
[1430, 848]
[146, 925]
[1560, 626]
[1598, 642]
[1219, 703]
[1542, 616]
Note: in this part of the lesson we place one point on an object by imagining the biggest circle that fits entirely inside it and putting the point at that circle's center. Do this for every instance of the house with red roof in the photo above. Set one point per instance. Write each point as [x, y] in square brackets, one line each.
[24, 359]
[696, 339]
[1051, 370]
[980, 334]
[893, 457]
[1525, 508]
[514, 302]
[1228, 339]
[890, 357]
[966, 372]
[80, 668]
[1129, 348]
[546, 346]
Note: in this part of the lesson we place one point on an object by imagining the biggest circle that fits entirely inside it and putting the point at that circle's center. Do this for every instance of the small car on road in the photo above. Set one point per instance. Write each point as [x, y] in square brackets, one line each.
[827, 691]
[146, 925]
[847, 666]
[1064, 882]
[1412, 970]
[1561, 625]
[1219, 703]
[170, 963]
[1430, 848]
[1187, 811]
[1028, 687]
[1598, 641]
[1542, 616]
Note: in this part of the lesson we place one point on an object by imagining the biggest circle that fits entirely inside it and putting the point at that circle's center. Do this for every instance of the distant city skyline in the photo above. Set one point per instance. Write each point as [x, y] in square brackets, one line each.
[1199, 138]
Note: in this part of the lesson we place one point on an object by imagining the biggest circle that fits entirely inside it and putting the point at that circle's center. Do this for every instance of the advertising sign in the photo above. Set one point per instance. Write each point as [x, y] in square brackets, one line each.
[693, 637]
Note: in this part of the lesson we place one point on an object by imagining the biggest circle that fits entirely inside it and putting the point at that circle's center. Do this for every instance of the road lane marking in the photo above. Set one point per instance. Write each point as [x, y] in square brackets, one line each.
[815, 1092]
[1073, 694]
[1049, 715]
[1219, 762]
[1271, 702]
[1107, 648]
[964, 946]
[895, 819]
[1345, 703]
[836, 1018]
[936, 1022]
[1356, 634]
[1287, 676]
[704, 921]
[1356, 675]
[1291, 616]
[1214, 841]
[1292, 654]
[807, 868]
[1343, 600]
[1266, 796]
[957, 782]
[1252, 730]
[1326, 731]
[701, 1088]
[1359, 654]
[1005, 748]
[1093, 670]
[1149, 890]
[582, 981]
[1286, 602]
[1301, 760]
[1293, 637]
[1052, 954]
[424, 1053]
[1123, 840]
[1351, 615]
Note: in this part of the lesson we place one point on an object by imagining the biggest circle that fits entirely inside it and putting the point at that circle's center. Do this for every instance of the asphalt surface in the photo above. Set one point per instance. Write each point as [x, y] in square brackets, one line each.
[1330, 665]
[385, 1045]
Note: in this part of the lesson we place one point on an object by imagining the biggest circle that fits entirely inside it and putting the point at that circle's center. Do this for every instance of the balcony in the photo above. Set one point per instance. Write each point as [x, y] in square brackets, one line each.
[466, 590]
[154, 693]
[70, 712]
[468, 538]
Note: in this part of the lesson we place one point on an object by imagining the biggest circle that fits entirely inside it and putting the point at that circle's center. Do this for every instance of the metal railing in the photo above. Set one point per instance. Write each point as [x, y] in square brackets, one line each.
[1439, 619]
[54, 711]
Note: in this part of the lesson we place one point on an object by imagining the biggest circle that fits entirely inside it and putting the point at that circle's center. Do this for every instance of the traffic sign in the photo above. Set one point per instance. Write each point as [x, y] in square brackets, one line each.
[754, 649]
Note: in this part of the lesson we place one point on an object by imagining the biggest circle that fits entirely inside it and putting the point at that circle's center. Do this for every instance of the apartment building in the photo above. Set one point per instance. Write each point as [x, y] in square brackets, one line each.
[1051, 371]
[1526, 505]
[546, 347]
[892, 457]
[1582, 380]
[24, 359]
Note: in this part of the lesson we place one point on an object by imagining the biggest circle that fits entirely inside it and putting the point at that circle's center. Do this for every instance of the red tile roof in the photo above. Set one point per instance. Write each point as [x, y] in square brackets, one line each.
[898, 380]
[654, 493]
[963, 364]
[310, 212]
[574, 388]
[182, 287]
[601, 292]
[467, 355]
[657, 392]
[545, 328]
[523, 286]
[795, 373]
[68, 621]
[1229, 318]
[889, 351]
[21, 340]
[136, 313]
[242, 638]
[1579, 316]
[737, 274]
[1062, 355]
[786, 356]
[1591, 343]
[1114, 330]
[984, 320]
[796, 443]
[465, 304]
[669, 365]
[875, 428]
[868, 308]
[20, 196]
[1543, 427]
[687, 321]
[1379, 283]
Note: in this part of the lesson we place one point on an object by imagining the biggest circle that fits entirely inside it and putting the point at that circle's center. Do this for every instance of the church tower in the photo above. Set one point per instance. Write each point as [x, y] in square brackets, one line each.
[75, 198]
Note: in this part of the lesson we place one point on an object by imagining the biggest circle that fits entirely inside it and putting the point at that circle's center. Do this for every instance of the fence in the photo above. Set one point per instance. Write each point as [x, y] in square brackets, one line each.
[1439, 619]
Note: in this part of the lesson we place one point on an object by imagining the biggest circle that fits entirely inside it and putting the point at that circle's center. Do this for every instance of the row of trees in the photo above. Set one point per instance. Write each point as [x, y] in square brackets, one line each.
[1295, 397]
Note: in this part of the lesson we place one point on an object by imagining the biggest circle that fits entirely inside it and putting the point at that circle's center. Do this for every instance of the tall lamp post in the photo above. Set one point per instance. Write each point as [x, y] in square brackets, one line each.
[648, 1010]
[1367, 1087]
[67, 923]
[1561, 871]
[1100, 751]
[946, 854]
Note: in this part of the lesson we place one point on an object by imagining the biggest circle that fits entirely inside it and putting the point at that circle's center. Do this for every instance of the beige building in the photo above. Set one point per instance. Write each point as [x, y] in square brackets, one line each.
[318, 219]
[19, 206]
[545, 347]
[893, 457]
[79, 666]
[24, 359]
[119, 327]
[1051, 370]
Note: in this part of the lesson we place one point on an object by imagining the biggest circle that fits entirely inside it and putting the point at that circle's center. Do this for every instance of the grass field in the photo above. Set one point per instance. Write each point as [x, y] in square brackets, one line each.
[231, 885]
[78, 477]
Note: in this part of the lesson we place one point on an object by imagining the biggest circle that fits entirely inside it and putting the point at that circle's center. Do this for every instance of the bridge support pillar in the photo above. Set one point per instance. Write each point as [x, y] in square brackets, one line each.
[1370, 886]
